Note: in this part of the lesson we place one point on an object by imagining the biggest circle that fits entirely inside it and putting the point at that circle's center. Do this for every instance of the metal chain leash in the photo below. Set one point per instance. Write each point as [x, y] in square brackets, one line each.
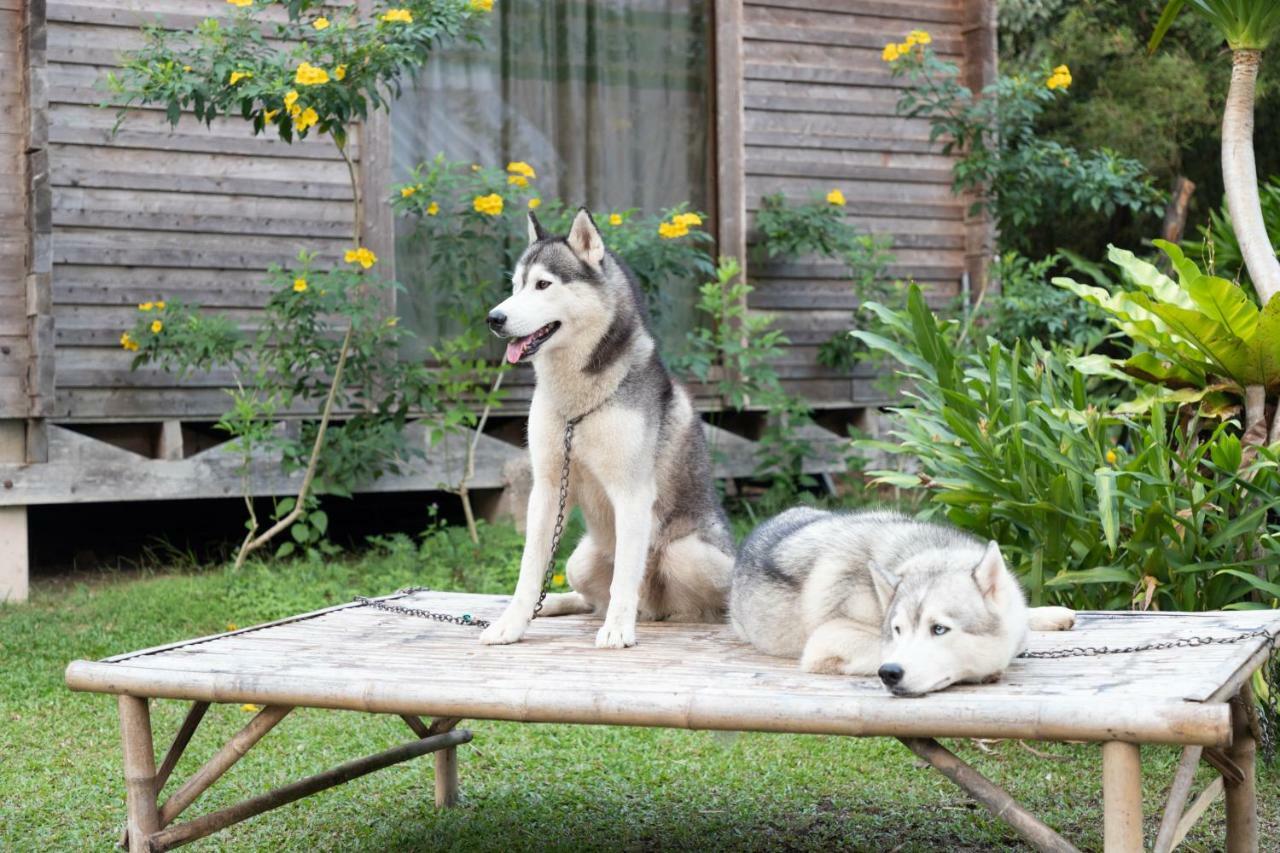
[1181, 643]
[557, 531]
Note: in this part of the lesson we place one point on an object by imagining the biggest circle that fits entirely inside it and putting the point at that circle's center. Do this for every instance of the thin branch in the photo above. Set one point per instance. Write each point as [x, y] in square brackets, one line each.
[357, 207]
[469, 470]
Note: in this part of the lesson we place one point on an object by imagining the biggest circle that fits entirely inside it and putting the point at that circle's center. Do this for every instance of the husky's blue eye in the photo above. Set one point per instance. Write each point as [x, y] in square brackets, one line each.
[939, 630]
[541, 284]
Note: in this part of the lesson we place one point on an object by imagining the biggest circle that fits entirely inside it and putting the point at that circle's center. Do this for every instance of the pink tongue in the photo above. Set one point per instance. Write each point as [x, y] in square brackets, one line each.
[515, 349]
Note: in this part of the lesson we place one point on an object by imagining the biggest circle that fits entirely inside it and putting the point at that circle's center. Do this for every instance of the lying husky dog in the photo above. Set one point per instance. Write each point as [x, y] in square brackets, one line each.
[921, 605]
[657, 544]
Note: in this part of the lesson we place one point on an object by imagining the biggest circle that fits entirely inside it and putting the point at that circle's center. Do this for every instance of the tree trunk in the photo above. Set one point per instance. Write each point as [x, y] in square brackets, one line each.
[1240, 176]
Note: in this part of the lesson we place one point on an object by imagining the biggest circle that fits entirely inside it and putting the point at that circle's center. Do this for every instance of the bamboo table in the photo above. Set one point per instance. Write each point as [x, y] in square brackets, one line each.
[357, 658]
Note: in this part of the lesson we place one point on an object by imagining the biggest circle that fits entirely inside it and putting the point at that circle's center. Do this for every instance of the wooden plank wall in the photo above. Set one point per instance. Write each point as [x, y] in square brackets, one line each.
[196, 213]
[14, 348]
[819, 113]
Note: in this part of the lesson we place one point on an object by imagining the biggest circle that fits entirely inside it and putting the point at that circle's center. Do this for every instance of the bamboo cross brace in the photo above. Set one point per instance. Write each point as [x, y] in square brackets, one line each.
[1211, 792]
[210, 823]
[992, 797]
[1178, 793]
[222, 761]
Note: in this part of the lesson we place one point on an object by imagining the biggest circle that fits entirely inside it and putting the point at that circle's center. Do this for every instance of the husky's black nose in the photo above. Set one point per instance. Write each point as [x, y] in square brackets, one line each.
[496, 320]
[890, 674]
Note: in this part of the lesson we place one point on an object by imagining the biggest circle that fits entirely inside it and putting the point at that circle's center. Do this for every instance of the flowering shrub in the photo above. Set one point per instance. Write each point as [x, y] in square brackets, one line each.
[322, 68]
[1023, 178]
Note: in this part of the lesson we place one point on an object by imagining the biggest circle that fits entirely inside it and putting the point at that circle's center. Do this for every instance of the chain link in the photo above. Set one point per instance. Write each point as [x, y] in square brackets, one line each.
[1181, 643]
[467, 619]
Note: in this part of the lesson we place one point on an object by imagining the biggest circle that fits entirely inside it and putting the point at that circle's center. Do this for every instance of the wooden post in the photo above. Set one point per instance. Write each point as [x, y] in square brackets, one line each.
[169, 442]
[139, 772]
[1242, 796]
[1121, 797]
[14, 558]
[1175, 213]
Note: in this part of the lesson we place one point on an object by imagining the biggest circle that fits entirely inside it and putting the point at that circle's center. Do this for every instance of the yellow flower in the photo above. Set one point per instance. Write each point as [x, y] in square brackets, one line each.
[146, 306]
[290, 99]
[268, 115]
[615, 219]
[534, 203]
[127, 341]
[321, 23]
[918, 37]
[1111, 457]
[521, 168]
[891, 52]
[835, 197]
[557, 579]
[475, 167]
[340, 73]
[361, 256]
[156, 327]
[237, 76]
[299, 285]
[393, 321]
[671, 230]
[490, 204]
[398, 16]
[250, 707]
[241, 3]
[687, 219]
[405, 192]
[481, 5]
[160, 305]
[310, 75]
[231, 626]
[1059, 79]
[433, 209]
[303, 121]
[186, 68]
[518, 180]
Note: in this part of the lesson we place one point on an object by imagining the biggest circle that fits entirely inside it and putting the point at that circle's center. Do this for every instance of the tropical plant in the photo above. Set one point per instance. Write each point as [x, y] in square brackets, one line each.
[1025, 179]
[1093, 508]
[1249, 27]
[1217, 247]
[1200, 339]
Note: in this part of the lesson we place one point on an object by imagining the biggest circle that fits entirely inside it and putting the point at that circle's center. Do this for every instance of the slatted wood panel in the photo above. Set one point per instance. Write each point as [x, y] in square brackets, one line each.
[15, 351]
[695, 676]
[819, 113]
[194, 213]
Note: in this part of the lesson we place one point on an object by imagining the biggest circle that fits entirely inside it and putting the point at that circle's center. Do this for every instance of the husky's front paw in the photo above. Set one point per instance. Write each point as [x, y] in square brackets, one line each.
[508, 628]
[1051, 619]
[616, 636]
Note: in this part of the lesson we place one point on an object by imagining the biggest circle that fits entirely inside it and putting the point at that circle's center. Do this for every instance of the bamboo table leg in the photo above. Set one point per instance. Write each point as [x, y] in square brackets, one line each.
[1121, 797]
[139, 771]
[447, 778]
[1242, 797]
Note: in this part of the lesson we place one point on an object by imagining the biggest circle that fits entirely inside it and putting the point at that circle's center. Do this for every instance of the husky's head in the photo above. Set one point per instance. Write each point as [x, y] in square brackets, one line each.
[943, 625]
[564, 293]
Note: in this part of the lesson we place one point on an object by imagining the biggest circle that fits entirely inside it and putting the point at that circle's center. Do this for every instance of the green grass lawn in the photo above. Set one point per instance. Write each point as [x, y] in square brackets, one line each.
[524, 786]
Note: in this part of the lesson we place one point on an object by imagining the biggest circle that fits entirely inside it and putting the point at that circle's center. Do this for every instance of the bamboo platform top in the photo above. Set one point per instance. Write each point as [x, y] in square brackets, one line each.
[697, 676]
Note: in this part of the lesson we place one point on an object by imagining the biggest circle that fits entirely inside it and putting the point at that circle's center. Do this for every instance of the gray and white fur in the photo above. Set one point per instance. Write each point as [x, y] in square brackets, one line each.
[657, 544]
[922, 605]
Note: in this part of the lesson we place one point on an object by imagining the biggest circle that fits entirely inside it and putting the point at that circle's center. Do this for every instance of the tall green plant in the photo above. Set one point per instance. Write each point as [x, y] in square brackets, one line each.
[1094, 509]
[1249, 27]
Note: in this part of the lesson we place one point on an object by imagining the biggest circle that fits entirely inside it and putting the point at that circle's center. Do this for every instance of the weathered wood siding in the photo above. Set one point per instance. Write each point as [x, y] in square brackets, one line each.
[195, 213]
[819, 114]
[14, 348]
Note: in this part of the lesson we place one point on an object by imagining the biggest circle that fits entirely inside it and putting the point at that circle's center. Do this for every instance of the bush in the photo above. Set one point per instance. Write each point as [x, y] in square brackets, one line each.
[1217, 249]
[1028, 308]
[1093, 509]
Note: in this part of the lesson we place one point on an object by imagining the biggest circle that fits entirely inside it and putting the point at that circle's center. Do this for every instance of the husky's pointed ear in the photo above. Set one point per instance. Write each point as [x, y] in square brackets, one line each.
[536, 231]
[884, 582]
[585, 240]
[990, 573]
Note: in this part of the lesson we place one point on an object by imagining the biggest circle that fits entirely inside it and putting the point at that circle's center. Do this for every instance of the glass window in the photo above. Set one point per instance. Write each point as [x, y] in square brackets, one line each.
[609, 100]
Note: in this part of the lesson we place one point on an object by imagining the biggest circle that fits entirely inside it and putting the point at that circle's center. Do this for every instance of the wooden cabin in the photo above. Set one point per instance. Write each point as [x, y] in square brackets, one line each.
[783, 96]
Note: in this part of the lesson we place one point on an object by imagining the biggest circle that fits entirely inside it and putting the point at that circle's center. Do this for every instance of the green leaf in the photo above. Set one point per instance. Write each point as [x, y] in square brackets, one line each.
[300, 532]
[1104, 480]
[1171, 10]
[1253, 580]
[285, 549]
[1145, 276]
[1101, 574]
[320, 521]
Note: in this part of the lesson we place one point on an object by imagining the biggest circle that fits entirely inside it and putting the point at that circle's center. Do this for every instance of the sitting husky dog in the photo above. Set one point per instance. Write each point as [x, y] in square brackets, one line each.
[921, 605]
[657, 544]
